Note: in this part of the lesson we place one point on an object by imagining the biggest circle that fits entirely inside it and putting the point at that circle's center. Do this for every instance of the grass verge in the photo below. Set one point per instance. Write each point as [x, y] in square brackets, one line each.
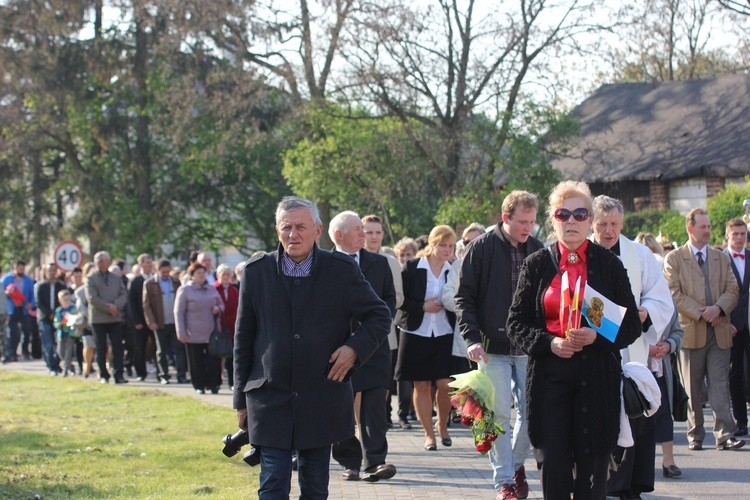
[65, 438]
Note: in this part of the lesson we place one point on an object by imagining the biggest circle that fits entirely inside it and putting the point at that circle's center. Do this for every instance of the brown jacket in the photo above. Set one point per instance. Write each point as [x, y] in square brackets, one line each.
[688, 287]
[153, 306]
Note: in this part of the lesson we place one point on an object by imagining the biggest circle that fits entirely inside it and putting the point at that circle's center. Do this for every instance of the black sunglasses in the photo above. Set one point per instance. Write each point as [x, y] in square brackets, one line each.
[579, 214]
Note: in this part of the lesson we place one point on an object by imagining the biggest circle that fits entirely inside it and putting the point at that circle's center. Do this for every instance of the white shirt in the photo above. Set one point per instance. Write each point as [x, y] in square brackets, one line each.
[701, 250]
[739, 262]
[433, 324]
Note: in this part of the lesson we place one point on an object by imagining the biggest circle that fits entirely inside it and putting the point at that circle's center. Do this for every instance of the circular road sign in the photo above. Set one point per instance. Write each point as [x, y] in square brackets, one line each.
[68, 255]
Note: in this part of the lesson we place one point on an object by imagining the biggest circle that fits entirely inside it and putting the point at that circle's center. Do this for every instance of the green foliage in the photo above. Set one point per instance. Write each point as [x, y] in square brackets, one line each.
[364, 164]
[670, 223]
[724, 206]
[67, 438]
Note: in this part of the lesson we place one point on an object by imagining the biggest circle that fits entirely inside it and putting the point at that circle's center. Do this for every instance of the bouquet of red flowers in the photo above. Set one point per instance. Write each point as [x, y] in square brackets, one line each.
[474, 400]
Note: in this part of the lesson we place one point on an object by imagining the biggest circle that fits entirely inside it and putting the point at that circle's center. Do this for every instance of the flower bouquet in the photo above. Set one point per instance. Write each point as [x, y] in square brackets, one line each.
[474, 400]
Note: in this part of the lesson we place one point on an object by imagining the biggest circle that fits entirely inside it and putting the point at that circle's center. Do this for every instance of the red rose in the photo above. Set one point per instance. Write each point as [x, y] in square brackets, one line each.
[484, 446]
[457, 401]
[467, 421]
[472, 408]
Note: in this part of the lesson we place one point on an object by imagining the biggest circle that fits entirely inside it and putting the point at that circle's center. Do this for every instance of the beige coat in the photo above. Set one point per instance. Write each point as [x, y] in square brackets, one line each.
[687, 285]
[102, 289]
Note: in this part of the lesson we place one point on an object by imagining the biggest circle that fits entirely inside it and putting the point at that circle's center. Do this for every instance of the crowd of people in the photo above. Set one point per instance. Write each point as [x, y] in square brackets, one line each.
[326, 340]
[155, 313]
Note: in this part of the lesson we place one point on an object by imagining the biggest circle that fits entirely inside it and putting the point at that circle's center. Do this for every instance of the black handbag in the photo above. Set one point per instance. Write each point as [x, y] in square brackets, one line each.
[635, 404]
[679, 395]
[220, 343]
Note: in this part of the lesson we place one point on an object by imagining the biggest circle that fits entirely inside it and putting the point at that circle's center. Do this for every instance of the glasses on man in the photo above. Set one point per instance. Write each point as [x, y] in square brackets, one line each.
[579, 214]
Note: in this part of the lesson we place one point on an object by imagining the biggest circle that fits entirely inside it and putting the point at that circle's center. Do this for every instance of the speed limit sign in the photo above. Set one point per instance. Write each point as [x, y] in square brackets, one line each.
[68, 255]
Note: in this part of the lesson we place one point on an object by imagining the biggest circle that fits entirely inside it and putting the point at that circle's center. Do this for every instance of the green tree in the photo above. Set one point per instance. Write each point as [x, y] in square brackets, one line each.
[726, 205]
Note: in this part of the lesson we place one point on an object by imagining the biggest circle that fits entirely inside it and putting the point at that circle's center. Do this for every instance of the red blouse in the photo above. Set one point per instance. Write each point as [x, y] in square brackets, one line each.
[556, 325]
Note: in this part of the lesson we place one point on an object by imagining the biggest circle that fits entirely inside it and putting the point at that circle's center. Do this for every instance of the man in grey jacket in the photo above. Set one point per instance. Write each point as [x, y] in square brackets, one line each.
[106, 295]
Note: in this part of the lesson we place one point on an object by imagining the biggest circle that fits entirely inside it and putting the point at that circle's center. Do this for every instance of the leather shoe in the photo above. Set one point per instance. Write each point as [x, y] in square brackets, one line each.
[120, 380]
[430, 446]
[695, 446]
[377, 472]
[404, 424]
[351, 475]
[741, 430]
[731, 444]
[671, 471]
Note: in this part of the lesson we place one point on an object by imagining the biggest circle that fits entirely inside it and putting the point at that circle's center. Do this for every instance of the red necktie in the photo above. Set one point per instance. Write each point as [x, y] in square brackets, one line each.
[740, 255]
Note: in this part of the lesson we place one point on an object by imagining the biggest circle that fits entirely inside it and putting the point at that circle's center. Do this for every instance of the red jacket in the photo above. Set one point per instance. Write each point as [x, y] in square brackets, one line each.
[231, 298]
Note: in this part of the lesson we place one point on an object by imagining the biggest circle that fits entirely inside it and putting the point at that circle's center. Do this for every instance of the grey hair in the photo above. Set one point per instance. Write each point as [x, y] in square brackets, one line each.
[100, 256]
[292, 203]
[604, 204]
[222, 268]
[341, 223]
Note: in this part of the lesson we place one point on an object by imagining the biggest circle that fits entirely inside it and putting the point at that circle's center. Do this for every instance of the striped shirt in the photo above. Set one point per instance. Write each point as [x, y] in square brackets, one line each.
[294, 270]
[517, 256]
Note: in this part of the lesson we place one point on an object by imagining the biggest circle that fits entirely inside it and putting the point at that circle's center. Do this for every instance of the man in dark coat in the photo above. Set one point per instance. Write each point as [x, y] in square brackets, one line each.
[371, 382]
[141, 332]
[294, 351]
[45, 293]
[486, 283]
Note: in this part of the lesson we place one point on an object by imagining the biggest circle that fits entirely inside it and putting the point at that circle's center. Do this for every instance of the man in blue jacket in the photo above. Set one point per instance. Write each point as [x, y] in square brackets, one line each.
[18, 313]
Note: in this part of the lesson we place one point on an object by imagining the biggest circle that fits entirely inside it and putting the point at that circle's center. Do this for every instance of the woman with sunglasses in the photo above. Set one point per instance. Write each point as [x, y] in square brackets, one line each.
[573, 379]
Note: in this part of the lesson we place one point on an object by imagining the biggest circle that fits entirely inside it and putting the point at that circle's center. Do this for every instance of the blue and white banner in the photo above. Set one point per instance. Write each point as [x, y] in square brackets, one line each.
[603, 315]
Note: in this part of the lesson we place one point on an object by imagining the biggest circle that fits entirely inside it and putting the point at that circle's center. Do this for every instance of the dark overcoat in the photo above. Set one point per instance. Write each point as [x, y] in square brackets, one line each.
[287, 329]
[598, 364]
[377, 371]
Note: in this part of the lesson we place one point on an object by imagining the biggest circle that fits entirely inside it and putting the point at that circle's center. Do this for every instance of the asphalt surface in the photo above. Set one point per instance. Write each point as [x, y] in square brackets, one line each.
[459, 472]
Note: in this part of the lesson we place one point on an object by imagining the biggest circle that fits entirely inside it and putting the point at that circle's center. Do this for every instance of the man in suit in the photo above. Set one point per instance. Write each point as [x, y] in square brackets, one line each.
[294, 351]
[45, 294]
[159, 294]
[371, 381]
[487, 280]
[141, 332]
[705, 292]
[736, 235]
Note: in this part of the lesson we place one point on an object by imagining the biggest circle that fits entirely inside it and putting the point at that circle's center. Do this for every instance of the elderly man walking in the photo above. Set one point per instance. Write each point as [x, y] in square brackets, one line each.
[106, 296]
[294, 351]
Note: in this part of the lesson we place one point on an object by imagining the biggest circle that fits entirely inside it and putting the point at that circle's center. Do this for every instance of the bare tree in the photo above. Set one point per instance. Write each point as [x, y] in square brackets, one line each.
[737, 6]
[442, 64]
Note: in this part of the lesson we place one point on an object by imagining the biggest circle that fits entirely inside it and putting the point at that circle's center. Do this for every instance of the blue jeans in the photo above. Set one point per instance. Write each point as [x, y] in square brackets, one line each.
[276, 473]
[47, 331]
[509, 452]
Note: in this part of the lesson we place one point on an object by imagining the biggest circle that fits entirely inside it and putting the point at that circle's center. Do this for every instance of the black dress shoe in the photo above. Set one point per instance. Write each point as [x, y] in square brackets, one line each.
[378, 472]
[741, 430]
[671, 471]
[120, 380]
[430, 447]
[695, 445]
[350, 475]
[731, 444]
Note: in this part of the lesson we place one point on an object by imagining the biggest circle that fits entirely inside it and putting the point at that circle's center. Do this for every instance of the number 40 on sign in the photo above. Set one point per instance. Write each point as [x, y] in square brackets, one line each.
[68, 255]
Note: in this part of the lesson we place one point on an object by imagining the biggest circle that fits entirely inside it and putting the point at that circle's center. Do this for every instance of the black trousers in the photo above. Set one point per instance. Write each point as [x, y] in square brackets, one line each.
[166, 338]
[738, 375]
[373, 426]
[140, 342]
[635, 473]
[205, 370]
[564, 468]
[101, 332]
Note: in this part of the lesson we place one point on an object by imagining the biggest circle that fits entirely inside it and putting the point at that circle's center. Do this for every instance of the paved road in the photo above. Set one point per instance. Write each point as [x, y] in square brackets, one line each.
[460, 472]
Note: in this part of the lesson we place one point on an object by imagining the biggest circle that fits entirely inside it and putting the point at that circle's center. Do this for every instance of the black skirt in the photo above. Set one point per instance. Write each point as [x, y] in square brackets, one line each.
[424, 358]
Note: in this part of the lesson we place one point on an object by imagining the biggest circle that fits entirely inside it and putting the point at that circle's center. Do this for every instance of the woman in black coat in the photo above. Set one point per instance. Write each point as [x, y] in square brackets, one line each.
[573, 379]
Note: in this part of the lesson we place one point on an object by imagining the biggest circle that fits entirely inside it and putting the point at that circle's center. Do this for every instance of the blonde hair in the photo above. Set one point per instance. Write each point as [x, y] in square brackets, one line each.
[569, 189]
[649, 240]
[437, 236]
[517, 199]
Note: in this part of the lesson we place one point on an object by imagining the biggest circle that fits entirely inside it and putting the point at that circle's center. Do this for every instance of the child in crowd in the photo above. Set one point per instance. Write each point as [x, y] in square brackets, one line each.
[67, 334]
